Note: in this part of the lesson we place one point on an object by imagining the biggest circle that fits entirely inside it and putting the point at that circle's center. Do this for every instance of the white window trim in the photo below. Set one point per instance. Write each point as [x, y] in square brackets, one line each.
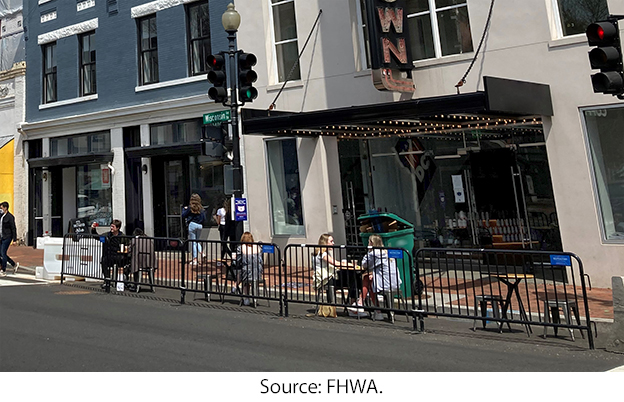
[47, 17]
[268, 188]
[171, 83]
[43, 2]
[275, 70]
[155, 6]
[67, 31]
[68, 101]
[590, 161]
[85, 5]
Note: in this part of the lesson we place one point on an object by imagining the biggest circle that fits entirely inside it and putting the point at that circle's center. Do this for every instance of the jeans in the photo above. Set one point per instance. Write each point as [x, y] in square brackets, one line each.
[194, 231]
[4, 256]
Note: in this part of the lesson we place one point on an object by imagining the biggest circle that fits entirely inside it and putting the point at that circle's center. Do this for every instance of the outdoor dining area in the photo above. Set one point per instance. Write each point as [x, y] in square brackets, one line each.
[495, 290]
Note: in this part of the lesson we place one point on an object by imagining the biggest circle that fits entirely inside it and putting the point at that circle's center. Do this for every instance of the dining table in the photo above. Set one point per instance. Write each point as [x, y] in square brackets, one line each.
[512, 281]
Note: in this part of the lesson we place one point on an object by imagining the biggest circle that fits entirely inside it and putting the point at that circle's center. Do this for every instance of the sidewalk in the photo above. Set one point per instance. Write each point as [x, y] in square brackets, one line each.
[600, 299]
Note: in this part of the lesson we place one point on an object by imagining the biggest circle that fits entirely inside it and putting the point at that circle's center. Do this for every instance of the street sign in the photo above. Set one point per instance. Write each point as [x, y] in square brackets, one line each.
[240, 209]
[216, 118]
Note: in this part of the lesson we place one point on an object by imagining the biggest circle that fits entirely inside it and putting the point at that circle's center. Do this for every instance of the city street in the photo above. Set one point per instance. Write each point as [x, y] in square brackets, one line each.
[51, 327]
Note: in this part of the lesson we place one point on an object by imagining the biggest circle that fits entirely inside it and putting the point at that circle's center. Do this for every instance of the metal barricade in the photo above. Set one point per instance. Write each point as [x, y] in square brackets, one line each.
[504, 286]
[340, 276]
[243, 270]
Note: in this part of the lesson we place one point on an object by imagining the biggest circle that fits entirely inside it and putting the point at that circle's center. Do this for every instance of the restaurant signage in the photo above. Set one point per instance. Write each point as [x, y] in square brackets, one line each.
[389, 45]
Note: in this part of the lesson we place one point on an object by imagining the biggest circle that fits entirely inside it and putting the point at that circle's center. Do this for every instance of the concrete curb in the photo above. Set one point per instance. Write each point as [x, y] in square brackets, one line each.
[616, 335]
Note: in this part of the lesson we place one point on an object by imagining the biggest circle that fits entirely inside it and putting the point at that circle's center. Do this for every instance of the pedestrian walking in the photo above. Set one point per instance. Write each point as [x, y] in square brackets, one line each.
[195, 216]
[226, 227]
[8, 234]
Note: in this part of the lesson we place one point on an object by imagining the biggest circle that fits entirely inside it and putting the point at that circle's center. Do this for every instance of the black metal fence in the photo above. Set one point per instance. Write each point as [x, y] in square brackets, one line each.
[505, 286]
[488, 286]
[364, 281]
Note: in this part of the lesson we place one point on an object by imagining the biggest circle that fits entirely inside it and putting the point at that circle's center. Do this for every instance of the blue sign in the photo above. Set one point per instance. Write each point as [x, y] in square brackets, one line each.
[398, 254]
[560, 260]
[268, 249]
[240, 209]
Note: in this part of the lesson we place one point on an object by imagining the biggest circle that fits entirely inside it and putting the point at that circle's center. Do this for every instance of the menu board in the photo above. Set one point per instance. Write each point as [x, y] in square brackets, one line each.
[78, 225]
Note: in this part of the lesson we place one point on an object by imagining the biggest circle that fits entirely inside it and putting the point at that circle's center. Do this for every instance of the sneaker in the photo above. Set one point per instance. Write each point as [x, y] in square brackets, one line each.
[15, 268]
[2, 273]
[378, 316]
[356, 312]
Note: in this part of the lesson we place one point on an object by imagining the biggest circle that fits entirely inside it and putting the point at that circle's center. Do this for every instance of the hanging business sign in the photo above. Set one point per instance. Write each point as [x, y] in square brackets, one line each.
[389, 45]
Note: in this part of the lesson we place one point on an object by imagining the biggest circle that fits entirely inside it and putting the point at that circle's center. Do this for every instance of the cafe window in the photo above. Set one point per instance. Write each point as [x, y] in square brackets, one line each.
[93, 186]
[603, 127]
[80, 144]
[285, 188]
[573, 16]
[176, 132]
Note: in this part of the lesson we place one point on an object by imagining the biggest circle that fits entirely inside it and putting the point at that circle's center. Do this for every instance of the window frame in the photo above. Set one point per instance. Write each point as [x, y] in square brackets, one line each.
[283, 42]
[191, 40]
[594, 179]
[558, 23]
[274, 233]
[49, 74]
[152, 51]
[435, 28]
[89, 66]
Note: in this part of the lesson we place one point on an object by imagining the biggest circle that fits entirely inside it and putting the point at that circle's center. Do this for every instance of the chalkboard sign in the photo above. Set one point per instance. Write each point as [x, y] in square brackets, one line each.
[79, 226]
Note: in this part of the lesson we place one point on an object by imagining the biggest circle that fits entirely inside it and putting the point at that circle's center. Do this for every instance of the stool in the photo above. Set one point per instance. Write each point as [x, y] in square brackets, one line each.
[387, 299]
[568, 307]
[150, 278]
[497, 303]
[207, 284]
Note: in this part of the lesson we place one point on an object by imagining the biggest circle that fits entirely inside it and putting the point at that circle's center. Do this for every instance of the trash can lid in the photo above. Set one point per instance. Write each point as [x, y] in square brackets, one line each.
[386, 216]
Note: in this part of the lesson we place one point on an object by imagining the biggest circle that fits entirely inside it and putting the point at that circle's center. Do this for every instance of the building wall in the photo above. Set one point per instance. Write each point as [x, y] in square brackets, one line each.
[521, 44]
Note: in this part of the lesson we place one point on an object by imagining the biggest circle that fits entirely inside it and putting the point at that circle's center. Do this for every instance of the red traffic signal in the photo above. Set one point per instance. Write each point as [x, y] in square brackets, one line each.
[218, 78]
[607, 57]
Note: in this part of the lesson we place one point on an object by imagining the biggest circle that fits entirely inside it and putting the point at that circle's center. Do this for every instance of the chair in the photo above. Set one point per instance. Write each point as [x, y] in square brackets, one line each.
[481, 302]
[207, 280]
[386, 299]
[551, 313]
[150, 277]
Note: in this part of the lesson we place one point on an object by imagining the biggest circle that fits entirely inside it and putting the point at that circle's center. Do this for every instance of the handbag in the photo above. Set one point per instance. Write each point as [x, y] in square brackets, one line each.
[327, 311]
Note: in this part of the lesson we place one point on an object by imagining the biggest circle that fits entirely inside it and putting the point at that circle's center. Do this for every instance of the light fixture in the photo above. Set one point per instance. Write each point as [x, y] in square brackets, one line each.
[230, 19]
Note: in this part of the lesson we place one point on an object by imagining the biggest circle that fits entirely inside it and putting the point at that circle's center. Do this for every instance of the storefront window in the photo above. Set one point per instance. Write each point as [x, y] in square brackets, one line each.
[93, 185]
[606, 149]
[284, 187]
[176, 132]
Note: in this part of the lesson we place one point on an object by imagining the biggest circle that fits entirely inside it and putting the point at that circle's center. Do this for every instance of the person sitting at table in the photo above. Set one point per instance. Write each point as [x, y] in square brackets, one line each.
[382, 276]
[249, 262]
[142, 257]
[112, 253]
[325, 271]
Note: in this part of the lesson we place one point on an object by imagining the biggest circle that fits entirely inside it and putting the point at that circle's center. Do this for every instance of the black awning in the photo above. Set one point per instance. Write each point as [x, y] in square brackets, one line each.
[70, 160]
[502, 98]
[189, 148]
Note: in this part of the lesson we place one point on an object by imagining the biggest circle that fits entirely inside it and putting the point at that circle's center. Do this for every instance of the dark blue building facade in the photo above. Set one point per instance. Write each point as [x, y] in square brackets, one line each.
[115, 92]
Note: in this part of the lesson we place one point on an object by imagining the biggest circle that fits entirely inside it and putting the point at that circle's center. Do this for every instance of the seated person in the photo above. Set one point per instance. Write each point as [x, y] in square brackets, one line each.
[142, 256]
[249, 262]
[112, 254]
[382, 275]
[326, 270]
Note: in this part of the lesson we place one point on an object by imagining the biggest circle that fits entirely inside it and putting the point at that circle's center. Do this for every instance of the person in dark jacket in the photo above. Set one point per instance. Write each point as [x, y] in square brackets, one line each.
[195, 216]
[112, 253]
[8, 234]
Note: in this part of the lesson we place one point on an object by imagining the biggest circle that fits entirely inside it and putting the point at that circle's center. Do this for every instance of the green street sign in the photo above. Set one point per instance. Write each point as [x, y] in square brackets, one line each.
[216, 118]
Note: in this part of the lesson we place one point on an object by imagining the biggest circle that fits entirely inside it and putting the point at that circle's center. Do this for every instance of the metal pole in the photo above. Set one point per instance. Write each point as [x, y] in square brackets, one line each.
[233, 77]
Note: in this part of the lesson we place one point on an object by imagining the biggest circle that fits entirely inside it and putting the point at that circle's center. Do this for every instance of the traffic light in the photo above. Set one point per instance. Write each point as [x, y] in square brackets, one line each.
[246, 77]
[607, 56]
[218, 78]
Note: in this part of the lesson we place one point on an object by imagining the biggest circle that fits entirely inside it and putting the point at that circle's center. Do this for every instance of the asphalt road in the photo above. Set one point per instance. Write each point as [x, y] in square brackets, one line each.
[71, 329]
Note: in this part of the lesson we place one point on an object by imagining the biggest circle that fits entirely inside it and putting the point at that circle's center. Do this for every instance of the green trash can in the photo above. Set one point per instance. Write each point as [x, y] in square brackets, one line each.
[395, 232]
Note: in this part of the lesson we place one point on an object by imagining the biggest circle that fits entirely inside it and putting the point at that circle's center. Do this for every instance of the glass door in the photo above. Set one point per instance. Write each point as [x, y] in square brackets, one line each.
[175, 197]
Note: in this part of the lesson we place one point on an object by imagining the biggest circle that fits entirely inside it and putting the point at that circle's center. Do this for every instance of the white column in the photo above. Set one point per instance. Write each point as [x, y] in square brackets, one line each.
[117, 176]
[147, 188]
